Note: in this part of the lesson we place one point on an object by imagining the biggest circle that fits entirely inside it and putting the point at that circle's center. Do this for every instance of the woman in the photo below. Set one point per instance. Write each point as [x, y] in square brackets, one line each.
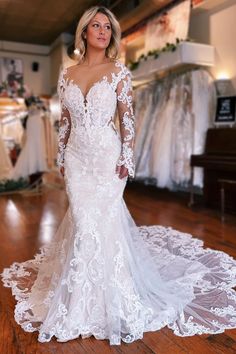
[103, 275]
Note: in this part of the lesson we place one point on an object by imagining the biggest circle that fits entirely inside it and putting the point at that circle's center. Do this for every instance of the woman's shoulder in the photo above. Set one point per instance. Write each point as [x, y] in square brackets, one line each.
[64, 71]
[67, 71]
[115, 66]
[120, 68]
[63, 76]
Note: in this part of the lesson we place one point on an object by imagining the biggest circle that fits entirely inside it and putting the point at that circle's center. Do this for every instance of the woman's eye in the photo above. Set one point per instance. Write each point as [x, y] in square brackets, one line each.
[95, 25]
[108, 27]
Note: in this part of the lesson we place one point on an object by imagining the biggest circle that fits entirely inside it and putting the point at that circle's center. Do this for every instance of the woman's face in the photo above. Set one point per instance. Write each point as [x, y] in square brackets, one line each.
[98, 34]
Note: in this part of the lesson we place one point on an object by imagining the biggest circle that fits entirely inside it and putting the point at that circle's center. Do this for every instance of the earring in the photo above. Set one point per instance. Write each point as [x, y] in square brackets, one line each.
[76, 51]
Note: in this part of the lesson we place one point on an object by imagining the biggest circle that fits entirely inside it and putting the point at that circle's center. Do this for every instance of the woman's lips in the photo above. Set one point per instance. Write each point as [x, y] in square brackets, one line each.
[102, 39]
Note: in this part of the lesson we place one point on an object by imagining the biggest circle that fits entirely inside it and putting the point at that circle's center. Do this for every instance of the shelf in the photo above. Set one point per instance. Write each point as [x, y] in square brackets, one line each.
[187, 54]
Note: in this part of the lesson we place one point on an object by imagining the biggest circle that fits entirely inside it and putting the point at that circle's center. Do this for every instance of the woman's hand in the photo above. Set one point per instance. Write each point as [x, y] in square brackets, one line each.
[62, 170]
[122, 171]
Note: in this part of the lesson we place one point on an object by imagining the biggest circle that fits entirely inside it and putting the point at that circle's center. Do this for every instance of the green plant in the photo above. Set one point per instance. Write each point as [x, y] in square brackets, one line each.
[155, 53]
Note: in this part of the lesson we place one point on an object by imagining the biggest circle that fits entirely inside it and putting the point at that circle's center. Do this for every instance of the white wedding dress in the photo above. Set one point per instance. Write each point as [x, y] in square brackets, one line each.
[5, 161]
[32, 158]
[102, 275]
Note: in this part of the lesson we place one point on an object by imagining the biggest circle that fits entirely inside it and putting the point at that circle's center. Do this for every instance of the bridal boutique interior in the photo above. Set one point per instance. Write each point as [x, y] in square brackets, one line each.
[182, 58]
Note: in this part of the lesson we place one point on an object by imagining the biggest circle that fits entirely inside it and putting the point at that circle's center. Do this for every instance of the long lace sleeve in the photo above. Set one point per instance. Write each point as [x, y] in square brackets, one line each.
[127, 124]
[65, 122]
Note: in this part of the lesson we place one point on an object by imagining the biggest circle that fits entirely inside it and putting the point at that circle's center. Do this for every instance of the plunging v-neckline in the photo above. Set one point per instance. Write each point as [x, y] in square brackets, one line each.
[113, 74]
[104, 78]
[72, 82]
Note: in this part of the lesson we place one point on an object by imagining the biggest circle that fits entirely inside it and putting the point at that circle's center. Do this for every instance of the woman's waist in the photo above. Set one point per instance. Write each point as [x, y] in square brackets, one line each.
[92, 157]
[92, 136]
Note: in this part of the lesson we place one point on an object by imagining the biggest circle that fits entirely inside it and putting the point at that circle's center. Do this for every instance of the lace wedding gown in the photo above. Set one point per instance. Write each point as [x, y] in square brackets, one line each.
[102, 275]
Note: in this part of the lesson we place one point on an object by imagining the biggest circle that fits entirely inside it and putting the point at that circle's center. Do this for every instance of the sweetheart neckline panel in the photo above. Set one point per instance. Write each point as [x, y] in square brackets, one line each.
[85, 96]
[69, 81]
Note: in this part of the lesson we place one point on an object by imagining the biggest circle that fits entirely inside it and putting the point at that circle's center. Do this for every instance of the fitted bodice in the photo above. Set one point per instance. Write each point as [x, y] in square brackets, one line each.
[86, 117]
[97, 108]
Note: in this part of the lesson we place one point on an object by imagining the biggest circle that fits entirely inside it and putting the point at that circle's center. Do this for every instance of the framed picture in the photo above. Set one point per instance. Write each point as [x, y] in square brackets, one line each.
[225, 111]
[11, 71]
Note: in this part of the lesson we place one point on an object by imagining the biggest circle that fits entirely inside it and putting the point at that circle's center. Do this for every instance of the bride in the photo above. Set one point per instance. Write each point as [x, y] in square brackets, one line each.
[102, 275]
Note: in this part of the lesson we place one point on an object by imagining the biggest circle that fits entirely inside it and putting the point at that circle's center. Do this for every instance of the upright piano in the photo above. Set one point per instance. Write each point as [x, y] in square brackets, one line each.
[219, 163]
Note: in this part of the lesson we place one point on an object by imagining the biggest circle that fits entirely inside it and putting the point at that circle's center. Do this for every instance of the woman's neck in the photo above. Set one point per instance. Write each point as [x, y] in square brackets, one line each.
[95, 57]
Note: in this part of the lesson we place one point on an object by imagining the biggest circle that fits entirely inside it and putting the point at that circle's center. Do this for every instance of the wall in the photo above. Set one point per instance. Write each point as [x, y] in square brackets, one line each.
[216, 26]
[59, 57]
[50, 59]
[38, 82]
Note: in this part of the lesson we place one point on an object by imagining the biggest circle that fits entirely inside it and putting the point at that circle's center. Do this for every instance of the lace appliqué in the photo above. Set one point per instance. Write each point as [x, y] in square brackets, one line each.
[65, 121]
[127, 126]
[64, 131]
[212, 309]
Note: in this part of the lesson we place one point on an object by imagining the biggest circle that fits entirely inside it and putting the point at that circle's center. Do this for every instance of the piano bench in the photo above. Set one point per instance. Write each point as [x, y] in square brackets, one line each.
[223, 183]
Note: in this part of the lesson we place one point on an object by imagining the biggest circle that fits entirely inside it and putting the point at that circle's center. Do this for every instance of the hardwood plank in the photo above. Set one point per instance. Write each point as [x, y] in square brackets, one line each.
[8, 343]
[194, 344]
[222, 342]
[161, 343]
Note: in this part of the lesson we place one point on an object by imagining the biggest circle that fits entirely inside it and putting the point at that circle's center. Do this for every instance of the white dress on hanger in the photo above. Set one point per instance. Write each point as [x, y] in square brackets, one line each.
[13, 130]
[32, 157]
[145, 104]
[5, 162]
[161, 149]
[171, 129]
[204, 100]
[102, 275]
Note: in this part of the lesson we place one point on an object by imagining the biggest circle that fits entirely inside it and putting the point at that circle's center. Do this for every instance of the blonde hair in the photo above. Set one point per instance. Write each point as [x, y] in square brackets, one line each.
[80, 42]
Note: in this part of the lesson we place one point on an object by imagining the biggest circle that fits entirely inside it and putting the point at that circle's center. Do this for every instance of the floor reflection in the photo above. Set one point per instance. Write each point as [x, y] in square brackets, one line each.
[47, 225]
[12, 214]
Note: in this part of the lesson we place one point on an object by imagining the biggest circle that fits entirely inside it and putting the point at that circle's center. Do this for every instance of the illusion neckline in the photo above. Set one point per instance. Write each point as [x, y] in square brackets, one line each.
[104, 78]
[96, 83]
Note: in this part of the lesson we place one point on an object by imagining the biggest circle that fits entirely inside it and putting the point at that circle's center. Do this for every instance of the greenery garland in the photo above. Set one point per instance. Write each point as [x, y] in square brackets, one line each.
[155, 53]
[12, 185]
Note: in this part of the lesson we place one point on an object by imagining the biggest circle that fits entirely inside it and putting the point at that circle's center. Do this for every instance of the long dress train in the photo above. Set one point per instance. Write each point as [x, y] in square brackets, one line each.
[102, 275]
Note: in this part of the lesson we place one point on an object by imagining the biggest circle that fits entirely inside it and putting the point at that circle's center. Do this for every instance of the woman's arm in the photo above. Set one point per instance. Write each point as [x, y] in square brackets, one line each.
[127, 126]
[64, 125]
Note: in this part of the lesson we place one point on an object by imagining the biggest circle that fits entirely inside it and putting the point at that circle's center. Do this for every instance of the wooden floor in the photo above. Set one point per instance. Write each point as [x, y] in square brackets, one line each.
[30, 220]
